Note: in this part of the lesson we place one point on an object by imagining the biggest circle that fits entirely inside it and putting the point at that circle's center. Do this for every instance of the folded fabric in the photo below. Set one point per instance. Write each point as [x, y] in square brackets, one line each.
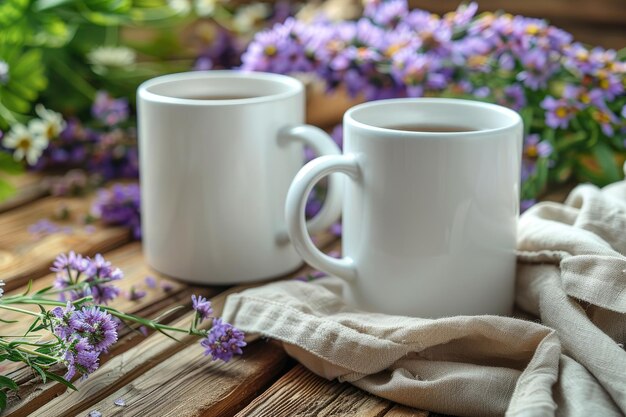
[571, 275]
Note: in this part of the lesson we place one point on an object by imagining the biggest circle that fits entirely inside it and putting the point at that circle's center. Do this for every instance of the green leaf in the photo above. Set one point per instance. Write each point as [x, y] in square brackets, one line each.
[40, 371]
[6, 190]
[9, 165]
[8, 321]
[606, 159]
[3, 400]
[60, 379]
[7, 382]
[28, 287]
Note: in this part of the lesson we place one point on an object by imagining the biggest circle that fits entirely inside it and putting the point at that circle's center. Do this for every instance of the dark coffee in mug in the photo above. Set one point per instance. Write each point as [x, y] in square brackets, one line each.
[430, 128]
[219, 97]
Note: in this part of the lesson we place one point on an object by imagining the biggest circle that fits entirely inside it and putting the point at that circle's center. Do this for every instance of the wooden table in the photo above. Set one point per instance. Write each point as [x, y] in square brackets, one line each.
[154, 375]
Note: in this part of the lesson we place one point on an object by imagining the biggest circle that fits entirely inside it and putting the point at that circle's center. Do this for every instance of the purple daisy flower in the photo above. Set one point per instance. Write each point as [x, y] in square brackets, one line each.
[223, 341]
[534, 147]
[558, 112]
[202, 306]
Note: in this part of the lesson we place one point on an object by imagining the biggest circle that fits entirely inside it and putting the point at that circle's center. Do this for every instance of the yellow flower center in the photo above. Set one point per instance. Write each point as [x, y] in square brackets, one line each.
[51, 131]
[561, 112]
[270, 50]
[477, 60]
[582, 55]
[394, 48]
[532, 29]
[531, 151]
[602, 117]
[24, 143]
[584, 98]
[604, 84]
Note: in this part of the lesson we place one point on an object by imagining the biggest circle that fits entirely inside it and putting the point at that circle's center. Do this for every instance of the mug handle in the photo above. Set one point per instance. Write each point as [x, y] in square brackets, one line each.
[297, 195]
[322, 144]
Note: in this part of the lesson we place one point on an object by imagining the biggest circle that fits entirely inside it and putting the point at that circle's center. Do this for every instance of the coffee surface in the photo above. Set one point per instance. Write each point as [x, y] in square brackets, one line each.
[430, 128]
[217, 97]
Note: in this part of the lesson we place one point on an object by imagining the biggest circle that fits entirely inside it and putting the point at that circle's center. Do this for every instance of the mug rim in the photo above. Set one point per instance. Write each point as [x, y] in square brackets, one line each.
[292, 85]
[350, 120]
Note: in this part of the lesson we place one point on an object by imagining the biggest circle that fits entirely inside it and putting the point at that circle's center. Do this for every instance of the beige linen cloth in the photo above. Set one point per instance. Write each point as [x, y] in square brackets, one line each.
[571, 362]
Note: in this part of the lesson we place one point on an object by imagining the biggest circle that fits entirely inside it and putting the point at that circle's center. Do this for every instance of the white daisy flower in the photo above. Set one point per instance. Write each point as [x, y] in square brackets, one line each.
[248, 16]
[182, 7]
[49, 126]
[204, 7]
[25, 143]
[112, 56]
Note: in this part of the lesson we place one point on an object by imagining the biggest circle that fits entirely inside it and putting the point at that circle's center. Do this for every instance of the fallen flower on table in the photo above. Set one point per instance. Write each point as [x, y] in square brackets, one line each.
[73, 326]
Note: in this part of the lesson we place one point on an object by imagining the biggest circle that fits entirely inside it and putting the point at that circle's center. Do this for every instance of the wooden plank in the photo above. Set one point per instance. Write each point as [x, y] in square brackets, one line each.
[29, 188]
[402, 411]
[123, 369]
[301, 393]
[189, 384]
[23, 256]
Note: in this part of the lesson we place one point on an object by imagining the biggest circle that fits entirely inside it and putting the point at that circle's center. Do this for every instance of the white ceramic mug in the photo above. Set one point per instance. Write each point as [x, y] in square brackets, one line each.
[218, 150]
[429, 218]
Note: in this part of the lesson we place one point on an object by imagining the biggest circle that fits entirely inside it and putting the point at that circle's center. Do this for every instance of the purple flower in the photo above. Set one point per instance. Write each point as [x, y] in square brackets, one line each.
[312, 276]
[70, 261]
[108, 110]
[526, 204]
[43, 227]
[64, 321]
[528, 168]
[538, 68]
[202, 306]
[97, 327]
[514, 97]
[336, 229]
[558, 112]
[606, 118]
[223, 341]
[136, 294]
[388, 13]
[81, 357]
[150, 282]
[120, 206]
[534, 147]
[167, 286]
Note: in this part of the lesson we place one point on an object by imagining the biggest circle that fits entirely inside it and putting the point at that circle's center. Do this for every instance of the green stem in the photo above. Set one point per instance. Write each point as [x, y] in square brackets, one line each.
[76, 79]
[20, 310]
[30, 352]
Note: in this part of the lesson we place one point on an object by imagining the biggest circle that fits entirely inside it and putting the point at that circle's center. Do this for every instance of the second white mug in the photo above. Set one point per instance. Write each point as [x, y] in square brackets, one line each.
[218, 150]
[430, 208]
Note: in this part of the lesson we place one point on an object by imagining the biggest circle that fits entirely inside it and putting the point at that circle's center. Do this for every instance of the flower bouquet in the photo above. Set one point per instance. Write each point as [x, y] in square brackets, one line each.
[571, 97]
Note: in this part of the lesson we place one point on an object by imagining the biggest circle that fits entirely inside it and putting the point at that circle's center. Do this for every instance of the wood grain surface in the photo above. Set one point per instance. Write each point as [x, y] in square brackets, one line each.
[301, 393]
[24, 256]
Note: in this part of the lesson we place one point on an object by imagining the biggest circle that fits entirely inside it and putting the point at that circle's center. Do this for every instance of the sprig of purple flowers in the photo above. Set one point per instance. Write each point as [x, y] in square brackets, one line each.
[119, 206]
[106, 147]
[83, 327]
[571, 97]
